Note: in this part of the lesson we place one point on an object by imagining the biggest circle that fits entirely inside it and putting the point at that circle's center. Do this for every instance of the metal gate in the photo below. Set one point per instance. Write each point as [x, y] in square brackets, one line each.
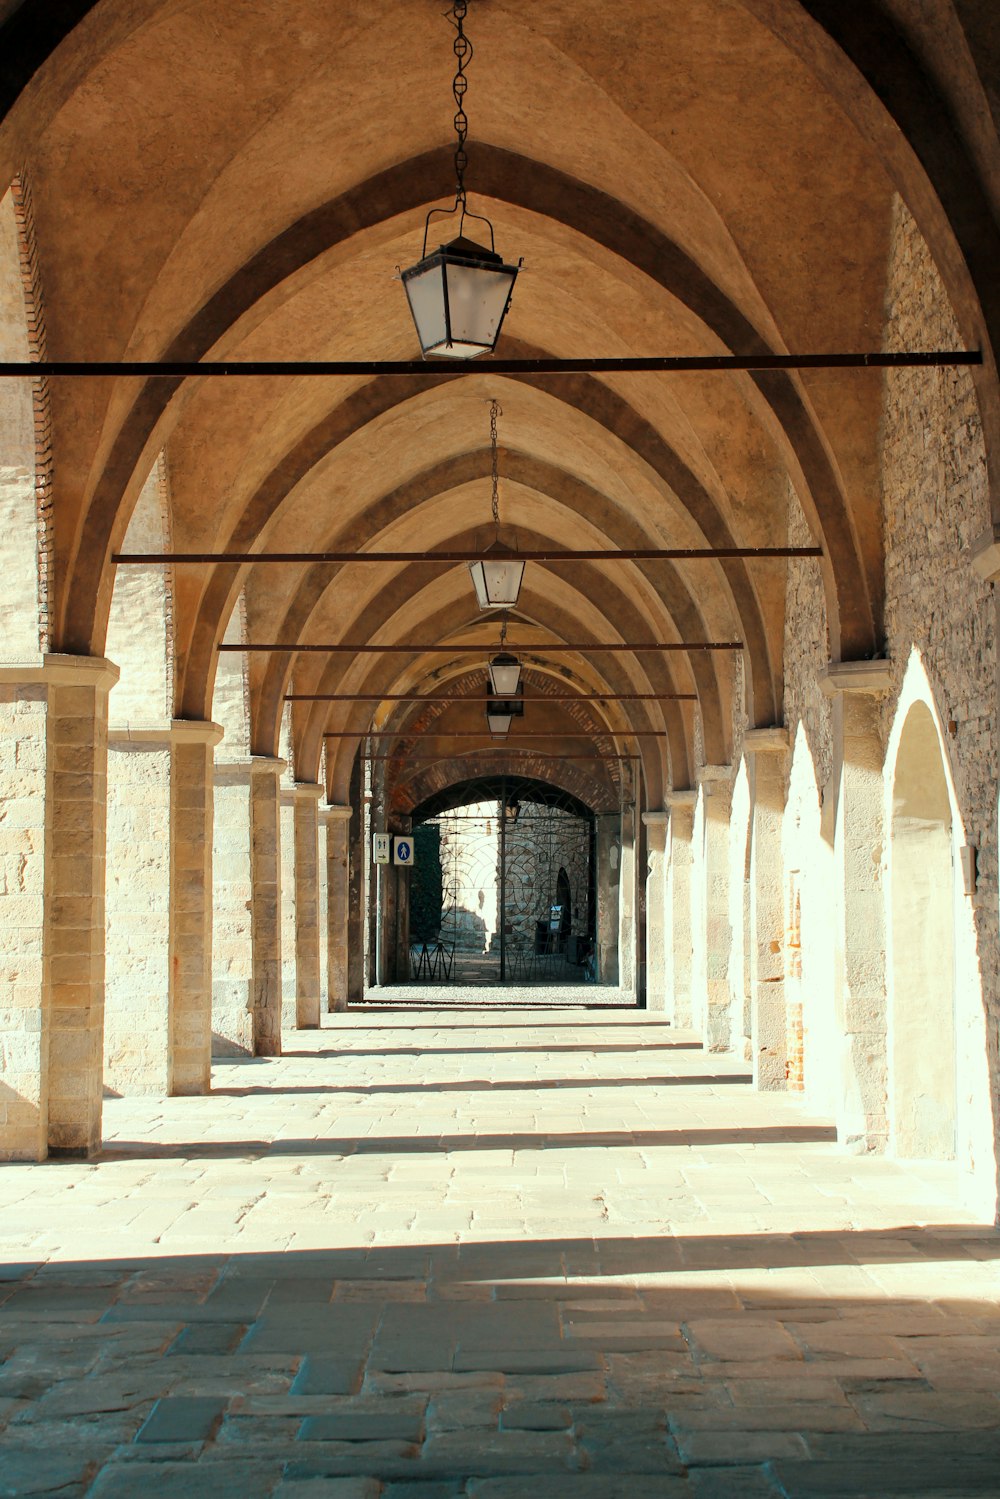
[503, 890]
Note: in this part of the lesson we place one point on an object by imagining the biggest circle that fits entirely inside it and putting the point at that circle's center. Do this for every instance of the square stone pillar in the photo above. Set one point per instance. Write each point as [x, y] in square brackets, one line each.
[609, 851]
[192, 756]
[246, 986]
[655, 824]
[628, 901]
[308, 981]
[338, 904]
[766, 752]
[265, 903]
[53, 788]
[157, 1005]
[711, 970]
[859, 951]
[678, 946]
[74, 898]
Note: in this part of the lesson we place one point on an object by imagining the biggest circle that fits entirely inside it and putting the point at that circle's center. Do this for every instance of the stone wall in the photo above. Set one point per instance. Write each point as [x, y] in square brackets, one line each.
[936, 507]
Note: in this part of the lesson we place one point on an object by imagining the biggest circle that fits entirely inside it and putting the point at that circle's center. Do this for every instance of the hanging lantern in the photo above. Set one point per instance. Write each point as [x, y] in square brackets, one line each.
[497, 577]
[459, 294]
[505, 675]
[498, 720]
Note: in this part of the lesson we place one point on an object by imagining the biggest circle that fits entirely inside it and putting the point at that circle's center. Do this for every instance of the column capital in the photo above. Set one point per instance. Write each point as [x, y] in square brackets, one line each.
[709, 775]
[771, 741]
[986, 555]
[855, 676]
[655, 819]
[63, 671]
[178, 731]
[685, 798]
[266, 765]
[334, 813]
[307, 790]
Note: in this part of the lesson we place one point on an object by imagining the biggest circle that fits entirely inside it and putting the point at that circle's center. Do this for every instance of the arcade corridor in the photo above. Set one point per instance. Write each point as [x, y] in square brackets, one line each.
[531, 1253]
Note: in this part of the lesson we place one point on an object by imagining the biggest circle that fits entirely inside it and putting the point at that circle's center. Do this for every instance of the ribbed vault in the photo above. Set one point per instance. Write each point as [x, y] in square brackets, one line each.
[213, 179]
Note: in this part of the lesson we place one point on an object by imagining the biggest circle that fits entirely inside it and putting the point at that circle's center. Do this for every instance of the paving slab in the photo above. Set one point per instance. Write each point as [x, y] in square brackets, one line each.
[431, 1253]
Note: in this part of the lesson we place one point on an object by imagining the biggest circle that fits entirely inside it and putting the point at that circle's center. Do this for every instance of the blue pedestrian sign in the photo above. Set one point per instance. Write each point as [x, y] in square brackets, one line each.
[402, 850]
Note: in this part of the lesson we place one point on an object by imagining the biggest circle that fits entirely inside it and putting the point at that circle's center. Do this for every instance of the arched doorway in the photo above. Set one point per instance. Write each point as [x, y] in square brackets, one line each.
[922, 1032]
[504, 885]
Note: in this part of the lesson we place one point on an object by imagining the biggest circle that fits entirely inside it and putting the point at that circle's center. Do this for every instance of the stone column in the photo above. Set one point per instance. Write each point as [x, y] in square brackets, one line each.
[265, 903]
[246, 987]
[74, 898]
[289, 890]
[308, 983]
[859, 953]
[655, 824]
[716, 782]
[53, 781]
[192, 755]
[157, 1009]
[766, 751]
[608, 877]
[627, 901]
[678, 947]
[338, 904]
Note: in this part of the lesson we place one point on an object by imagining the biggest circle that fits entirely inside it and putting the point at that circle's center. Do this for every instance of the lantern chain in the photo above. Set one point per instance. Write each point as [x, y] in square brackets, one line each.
[463, 55]
[495, 411]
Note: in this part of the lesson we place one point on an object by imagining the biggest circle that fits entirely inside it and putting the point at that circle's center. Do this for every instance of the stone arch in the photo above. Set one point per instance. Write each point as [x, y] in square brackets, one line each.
[852, 580]
[939, 1089]
[922, 1062]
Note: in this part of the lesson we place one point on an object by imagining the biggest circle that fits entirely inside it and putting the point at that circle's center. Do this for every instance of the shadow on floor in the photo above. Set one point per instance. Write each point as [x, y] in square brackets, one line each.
[568, 1377]
[587, 1049]
[505, 1085]
[784, 1134]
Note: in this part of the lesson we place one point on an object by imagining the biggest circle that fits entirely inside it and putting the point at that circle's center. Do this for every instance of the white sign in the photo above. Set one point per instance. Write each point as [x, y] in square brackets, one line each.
[380, 847]
[402, 850]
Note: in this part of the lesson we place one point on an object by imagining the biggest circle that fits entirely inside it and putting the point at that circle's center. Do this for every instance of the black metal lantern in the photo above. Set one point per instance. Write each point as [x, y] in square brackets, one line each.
[498, 719]
[497, 577]
[504, 670]
[498, 574]
[505, 675]
[459, 294]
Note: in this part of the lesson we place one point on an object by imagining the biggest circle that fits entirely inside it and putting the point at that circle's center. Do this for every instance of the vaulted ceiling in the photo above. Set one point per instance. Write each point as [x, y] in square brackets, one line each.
[240, 179]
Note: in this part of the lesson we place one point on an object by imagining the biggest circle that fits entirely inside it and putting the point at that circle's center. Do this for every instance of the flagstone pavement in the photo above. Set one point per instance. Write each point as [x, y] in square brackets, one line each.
[517, 1253]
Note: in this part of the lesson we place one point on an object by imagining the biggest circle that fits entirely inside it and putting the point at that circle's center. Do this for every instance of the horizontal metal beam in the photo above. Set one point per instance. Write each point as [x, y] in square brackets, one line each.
[542, 697]
[344, 648]
[541, 554]
[485, 734]
[448, 369]
[535, 755]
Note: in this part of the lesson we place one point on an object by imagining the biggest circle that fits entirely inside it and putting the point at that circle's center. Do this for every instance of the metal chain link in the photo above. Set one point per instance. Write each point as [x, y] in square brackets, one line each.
[495, 411]
[463, 54]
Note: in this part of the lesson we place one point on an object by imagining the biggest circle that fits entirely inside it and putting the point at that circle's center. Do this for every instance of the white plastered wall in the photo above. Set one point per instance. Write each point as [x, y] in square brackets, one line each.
[973, 1122]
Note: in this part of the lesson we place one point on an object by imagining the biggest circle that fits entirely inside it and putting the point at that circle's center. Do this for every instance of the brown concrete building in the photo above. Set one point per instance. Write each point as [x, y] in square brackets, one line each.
[790, 843]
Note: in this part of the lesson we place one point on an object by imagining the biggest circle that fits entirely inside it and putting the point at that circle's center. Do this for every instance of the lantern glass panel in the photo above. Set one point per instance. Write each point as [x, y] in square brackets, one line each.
[477, 300]
[425, 291]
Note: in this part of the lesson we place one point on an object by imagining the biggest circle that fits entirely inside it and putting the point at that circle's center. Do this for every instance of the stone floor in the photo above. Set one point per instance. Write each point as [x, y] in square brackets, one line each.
[524, 1254]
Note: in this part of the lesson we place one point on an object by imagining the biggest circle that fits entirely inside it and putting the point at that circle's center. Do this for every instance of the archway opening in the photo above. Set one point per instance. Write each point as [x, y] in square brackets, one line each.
[922, 1032]
[504, 887]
